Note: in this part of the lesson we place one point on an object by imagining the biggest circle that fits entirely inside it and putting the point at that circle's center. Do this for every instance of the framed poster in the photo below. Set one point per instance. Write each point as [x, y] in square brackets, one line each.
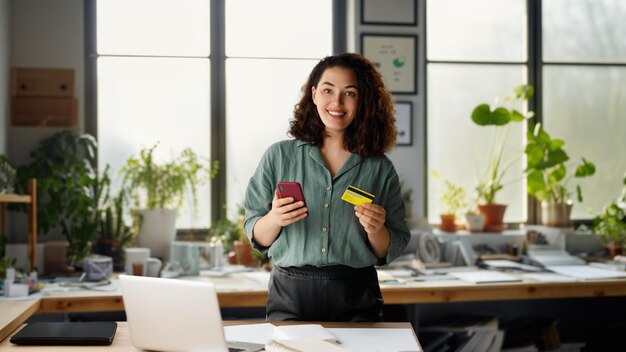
[404, 123]
[389, 12]
[396, 58]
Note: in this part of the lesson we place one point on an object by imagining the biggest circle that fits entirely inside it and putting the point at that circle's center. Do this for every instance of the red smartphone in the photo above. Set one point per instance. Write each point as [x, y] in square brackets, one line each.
[290, 189]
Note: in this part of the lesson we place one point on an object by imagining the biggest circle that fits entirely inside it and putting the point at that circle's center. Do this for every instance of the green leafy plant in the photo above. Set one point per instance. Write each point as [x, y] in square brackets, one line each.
[160, 185]
[499, 116]
[547, 178]
[68, 187]
[610, 224]
[111, 222]
[453, 197]
[227, 232]
[8, 175]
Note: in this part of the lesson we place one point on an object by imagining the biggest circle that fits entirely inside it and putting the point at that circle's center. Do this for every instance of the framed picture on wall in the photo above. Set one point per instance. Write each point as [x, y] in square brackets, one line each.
[389, 12]
[404, 123]
[396, 58]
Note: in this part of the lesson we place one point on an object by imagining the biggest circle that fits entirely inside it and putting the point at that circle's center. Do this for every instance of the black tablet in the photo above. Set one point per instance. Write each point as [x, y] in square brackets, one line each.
[66, 333]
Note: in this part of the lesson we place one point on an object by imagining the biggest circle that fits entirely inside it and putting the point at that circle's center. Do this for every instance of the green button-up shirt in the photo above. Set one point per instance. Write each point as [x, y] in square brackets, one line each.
[331, 233]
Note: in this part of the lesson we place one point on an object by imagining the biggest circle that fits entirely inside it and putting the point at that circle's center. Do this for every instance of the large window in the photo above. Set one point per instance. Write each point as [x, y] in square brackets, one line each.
[154, 80]
[476, 52]
[584, 85]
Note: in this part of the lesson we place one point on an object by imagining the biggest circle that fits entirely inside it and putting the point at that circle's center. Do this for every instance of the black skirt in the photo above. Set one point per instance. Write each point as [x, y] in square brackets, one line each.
[329, 293]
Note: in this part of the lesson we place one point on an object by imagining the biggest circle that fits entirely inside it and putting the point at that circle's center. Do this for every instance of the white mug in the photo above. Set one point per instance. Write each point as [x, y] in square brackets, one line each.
[152, 267]
[135, 255]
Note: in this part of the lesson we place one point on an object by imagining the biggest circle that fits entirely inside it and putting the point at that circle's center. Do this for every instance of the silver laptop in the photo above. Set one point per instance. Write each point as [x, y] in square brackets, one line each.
[175, 315]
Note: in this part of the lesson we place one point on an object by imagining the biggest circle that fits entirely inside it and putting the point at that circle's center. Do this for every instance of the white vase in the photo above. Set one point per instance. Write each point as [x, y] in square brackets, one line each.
[157, 231]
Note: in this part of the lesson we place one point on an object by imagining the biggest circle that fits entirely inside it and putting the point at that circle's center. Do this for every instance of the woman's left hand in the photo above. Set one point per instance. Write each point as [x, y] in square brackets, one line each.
[371, 216]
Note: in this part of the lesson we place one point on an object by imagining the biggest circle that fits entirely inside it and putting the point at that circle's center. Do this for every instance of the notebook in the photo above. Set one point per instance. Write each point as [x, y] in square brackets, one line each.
[66, 333]
[175, 315]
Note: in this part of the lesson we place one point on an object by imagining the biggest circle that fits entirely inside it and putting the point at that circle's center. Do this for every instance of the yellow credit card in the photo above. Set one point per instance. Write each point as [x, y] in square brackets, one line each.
[357, 196]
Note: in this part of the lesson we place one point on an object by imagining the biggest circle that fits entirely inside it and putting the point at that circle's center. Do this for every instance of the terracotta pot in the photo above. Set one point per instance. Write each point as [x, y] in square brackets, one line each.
[556, 214]
[613, 249]
[243, 250]
[494, 216]
[447, 222]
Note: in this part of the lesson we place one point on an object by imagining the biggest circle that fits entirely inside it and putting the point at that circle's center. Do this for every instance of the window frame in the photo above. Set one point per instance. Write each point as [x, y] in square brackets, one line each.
[217, 83]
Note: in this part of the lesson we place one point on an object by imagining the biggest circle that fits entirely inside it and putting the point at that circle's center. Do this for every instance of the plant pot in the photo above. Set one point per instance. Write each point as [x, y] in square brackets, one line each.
[475, 222]
[494, 216]
[447, 222]
[157, 231]
[111, 248]
[555, 214]
[243, 250]
[613, 249]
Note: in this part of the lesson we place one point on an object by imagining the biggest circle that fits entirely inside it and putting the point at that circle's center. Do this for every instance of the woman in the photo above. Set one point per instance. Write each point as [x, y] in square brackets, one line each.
[324, 253]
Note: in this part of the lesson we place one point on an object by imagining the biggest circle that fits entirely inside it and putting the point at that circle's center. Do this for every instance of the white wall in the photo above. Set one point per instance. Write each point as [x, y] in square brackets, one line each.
[45, 34]
[4, 73]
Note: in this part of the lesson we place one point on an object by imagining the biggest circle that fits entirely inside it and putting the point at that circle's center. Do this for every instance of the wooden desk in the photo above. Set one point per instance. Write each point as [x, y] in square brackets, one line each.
[122, 341]
[238, 292]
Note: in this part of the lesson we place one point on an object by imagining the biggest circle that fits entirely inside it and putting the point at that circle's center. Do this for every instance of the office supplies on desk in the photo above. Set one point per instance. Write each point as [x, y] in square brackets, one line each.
[548, 255]
[66, 333]
[508, 264]
[175, 315]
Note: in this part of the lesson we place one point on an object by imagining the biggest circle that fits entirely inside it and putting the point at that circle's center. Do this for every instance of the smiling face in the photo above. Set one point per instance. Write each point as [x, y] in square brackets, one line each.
[336, 98]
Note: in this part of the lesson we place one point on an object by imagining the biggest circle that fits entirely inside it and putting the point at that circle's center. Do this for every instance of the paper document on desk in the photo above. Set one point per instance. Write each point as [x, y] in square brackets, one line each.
[485, 276]
[586, 272]
[547, 255]
[303, 345]
[548, 277]
[509, 264]
[375, 340]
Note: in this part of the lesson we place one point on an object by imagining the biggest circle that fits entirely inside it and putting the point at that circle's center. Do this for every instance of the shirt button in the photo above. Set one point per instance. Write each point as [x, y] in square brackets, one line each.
[323, 250]
[326, 205]
[328, 188]
[324, 228]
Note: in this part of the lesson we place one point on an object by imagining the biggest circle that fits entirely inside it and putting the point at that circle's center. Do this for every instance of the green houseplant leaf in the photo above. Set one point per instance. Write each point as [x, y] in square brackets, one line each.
[546, 171]
[499, 117]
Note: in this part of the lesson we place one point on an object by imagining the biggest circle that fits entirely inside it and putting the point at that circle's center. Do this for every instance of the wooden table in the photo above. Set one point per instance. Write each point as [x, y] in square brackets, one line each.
[247, 295]
[122, 341]
[241, 291]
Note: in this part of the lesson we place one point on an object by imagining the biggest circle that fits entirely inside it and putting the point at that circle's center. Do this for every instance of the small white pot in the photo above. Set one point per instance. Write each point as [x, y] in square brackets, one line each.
[157, 231]
[475, 222]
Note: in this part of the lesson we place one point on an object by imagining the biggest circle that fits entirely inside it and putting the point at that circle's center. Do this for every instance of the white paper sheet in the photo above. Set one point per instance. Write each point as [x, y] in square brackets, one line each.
[376, 340]
[586, 272]
[254, 333]
[485, 276]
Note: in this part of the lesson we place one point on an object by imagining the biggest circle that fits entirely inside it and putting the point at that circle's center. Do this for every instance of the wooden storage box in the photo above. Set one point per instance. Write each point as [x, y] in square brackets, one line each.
[35, 111]
[42, 82]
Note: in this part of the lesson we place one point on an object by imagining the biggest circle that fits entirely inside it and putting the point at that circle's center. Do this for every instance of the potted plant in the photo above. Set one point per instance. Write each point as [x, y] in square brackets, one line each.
[68, 188]
[113, 235]
[611, 225]
[499, 116]
[453, 201]
[547, 178]
[474, 219]
[157, 189]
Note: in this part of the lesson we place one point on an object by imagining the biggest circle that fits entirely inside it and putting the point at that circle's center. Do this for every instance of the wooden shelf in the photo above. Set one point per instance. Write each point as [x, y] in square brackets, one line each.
[31, 200]
[15, 198]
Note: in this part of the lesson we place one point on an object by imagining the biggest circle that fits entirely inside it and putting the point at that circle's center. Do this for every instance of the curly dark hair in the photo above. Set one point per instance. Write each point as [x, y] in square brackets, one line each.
[373, 131]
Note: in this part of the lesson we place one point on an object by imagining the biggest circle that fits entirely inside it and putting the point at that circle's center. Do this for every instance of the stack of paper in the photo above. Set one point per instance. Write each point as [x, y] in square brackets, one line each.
[485, 276]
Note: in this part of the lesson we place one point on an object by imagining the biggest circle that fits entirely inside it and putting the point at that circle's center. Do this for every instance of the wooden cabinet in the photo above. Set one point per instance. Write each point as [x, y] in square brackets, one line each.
[31, 200]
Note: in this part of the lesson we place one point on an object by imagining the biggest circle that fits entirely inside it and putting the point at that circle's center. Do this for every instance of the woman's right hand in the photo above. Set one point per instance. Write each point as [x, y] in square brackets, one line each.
[285, 211]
